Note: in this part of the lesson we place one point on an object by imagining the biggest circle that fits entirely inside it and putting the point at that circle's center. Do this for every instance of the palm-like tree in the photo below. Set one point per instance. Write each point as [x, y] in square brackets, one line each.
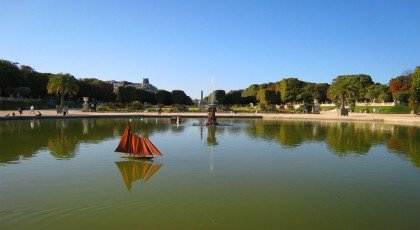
[62, 83]
[341, 88]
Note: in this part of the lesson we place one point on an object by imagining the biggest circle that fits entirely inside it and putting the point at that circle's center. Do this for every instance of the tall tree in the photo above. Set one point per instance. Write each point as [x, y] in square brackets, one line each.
[374, 91]
[234, 97]
[290, 88]
[341, 88]
[179, 97]
[400, 87]
[126, 94]
[219, 96]
[145, 96]
[10, 77]
[267, 96]
[63, 84]
[163, 97]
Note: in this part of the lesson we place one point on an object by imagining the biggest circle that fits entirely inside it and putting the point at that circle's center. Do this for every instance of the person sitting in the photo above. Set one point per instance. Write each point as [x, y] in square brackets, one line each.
[39, 114]
[7, 115]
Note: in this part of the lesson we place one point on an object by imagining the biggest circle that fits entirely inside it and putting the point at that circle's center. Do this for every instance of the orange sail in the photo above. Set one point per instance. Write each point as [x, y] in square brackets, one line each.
[125, 142]
[136, 146]
[152, 147]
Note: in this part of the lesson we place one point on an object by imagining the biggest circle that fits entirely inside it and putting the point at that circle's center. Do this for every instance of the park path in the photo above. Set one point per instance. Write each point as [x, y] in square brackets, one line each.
[406, 119]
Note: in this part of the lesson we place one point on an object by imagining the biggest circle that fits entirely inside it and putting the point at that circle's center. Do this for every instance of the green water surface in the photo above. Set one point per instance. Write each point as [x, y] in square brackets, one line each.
[257, 174]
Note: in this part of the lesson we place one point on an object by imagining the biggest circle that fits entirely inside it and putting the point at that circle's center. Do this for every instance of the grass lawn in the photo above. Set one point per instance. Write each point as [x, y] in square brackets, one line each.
[402, 109]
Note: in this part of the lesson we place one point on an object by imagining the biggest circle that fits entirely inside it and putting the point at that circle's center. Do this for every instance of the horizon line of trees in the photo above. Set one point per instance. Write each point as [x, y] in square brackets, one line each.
[23, 81]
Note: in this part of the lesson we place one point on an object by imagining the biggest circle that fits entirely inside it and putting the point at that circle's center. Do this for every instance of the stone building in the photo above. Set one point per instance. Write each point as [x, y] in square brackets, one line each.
[145, 85]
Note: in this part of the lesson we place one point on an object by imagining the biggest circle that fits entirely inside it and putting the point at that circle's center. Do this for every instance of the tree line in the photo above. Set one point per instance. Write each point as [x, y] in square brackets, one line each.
[23, 81]
[344, 89]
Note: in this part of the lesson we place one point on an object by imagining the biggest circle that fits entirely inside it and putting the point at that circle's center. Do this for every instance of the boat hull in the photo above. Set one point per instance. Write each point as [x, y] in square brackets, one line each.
[128, 155]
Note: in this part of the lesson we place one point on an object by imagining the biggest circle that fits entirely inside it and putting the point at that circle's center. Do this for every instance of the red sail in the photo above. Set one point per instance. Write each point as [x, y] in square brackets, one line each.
[136, 145]
[145, 148]
[152, 147]
[125, 145]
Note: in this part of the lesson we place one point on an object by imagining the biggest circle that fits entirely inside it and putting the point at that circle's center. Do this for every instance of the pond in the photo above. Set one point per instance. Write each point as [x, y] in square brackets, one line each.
[256, 174]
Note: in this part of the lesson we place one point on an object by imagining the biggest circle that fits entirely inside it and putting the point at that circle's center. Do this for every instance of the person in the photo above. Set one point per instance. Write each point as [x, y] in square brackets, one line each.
[13, 114]
[64, 111]
[32, 110]
[159, 111]
[39, 114]
[7, 115]
[20, 111]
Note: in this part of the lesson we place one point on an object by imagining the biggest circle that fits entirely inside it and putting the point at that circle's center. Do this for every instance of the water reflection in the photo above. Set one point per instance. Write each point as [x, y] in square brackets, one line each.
[23, 139]
[137, 170]
[211, 135]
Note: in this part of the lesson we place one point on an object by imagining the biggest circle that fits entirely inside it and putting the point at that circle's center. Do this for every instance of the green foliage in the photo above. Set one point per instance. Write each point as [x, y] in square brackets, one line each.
[320, 91]
[267, 96]
[401, 96]
[63, 84]
[10, 76]
[219, 96]
[401, 109]
[163, 97]
[415, 87]
[384, 96]
[360, 83]
[126, 94]
[234, 97]
[145, 96]
[374, 91]
[290, 89]
[341, 88]
[12, 105]
[95, 89]
[251, 91]
[179, 97]
[23, 91]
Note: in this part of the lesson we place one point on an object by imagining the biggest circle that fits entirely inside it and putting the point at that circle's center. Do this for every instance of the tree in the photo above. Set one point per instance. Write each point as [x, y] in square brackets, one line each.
[10, 76]
[415, 90]
[341, 88]
[63, 84]
[23, 91]
[179, 97]
[234, 97]
[145, 96]
[126, 94]
[361, 82]
[290, 88]
[219, 96]
[400, 87]
[251, 91]
[163, 97]
[267, 96]
[374, 91]
[320, 92]
[415, 86]
[95, 89]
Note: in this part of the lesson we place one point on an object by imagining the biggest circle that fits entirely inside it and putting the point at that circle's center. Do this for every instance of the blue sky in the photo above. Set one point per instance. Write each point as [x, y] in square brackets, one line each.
[185, 44]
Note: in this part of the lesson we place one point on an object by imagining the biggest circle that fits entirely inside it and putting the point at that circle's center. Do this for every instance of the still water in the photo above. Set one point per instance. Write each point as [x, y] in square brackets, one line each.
[257, 174]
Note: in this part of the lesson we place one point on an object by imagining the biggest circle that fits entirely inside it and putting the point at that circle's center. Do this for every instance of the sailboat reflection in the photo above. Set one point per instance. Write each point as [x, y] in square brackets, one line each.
[133, 170]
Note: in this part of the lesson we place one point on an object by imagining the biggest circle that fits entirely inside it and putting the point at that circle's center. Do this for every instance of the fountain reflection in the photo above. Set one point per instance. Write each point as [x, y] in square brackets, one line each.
[137, 170]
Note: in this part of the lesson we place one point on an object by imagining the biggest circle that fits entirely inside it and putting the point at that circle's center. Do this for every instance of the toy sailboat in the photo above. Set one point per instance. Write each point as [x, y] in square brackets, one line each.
[134, 146]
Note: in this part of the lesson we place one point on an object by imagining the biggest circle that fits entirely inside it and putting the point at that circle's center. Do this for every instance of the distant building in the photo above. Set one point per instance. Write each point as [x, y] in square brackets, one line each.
[145, 85]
